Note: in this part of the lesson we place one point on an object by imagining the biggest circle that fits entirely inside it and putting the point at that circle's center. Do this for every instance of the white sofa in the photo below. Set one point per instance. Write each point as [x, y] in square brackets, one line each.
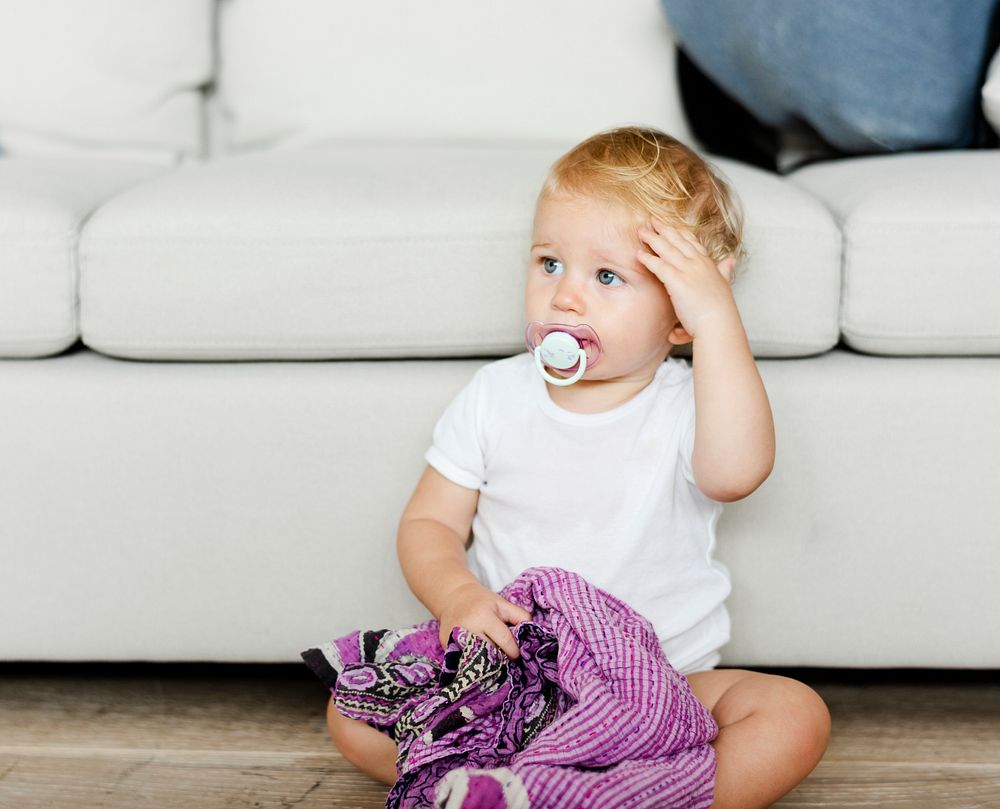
[249, 252]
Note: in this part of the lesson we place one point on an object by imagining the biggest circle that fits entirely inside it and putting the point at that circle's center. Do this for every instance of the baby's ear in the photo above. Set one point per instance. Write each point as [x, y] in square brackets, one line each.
[679, 336]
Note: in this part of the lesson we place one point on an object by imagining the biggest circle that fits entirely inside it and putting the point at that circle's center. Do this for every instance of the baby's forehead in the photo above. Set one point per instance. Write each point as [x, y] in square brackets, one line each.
[617, 222]
[613, 241]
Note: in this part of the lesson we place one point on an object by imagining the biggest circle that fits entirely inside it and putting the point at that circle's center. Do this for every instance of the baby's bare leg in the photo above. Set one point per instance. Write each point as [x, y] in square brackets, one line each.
[773, 731]
[369, 750]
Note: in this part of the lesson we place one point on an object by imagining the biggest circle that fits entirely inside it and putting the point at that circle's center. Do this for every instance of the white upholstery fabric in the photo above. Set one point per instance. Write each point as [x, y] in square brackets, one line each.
[43, 202]
[789, 289]
[305, 70]
[921, 250]
[874, 540]
[104, 78]
[356, 251]
[241, 511]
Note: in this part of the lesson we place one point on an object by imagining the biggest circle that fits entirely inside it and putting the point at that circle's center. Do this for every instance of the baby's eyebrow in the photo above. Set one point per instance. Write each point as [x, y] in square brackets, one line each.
[594, 252]
[617, 262]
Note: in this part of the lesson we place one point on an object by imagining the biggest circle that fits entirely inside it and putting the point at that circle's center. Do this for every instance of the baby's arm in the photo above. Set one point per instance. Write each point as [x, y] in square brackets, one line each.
[734, 431]
[431, 546]
[431, 539]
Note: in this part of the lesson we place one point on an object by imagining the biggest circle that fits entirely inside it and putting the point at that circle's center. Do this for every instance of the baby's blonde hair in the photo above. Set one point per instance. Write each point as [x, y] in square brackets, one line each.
[647, 171]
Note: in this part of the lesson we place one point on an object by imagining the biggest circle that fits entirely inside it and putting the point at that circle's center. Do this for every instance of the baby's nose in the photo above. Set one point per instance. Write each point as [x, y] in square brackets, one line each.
[568, 294]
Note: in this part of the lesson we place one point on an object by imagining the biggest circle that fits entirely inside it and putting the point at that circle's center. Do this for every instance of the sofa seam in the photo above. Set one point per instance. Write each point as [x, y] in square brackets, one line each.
[74, 276]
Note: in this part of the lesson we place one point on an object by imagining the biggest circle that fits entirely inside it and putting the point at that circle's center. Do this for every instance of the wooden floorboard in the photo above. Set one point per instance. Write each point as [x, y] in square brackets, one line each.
[159, 735]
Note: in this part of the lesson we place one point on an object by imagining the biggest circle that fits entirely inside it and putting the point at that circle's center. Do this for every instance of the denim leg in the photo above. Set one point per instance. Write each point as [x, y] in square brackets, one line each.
[867, 75]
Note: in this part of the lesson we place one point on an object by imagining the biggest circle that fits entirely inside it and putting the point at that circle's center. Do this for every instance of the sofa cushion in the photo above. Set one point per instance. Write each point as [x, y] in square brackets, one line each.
[299, 71]
[236, 511]
[350, 251]
[921, 253]
[788, 289]
[43, 202]
[104, 78]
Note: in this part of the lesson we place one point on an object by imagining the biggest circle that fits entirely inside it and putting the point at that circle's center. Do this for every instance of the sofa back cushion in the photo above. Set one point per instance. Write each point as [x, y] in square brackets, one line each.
[110, 78]
[307, 70]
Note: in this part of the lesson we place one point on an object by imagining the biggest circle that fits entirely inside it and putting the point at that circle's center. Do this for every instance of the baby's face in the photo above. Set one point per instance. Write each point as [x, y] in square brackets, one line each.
[583, 269]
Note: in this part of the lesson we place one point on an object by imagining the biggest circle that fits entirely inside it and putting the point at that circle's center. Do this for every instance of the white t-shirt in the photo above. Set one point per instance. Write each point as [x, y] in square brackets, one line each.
[608, 495]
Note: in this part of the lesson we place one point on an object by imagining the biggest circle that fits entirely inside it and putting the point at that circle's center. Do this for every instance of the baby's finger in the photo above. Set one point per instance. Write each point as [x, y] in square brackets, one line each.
[674, 237]
[504, 638]
[665, 248]
[513, 613]
[663, 270]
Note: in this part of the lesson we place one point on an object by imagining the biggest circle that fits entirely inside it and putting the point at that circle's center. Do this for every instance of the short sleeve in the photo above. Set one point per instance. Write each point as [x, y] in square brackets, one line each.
[457, 450]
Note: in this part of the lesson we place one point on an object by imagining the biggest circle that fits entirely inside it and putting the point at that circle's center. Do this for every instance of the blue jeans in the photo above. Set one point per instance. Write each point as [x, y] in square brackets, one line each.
[866, 75]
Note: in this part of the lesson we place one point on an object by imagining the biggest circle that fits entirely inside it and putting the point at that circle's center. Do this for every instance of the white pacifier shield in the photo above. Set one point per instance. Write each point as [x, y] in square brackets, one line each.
[561, 346]
[560, 350]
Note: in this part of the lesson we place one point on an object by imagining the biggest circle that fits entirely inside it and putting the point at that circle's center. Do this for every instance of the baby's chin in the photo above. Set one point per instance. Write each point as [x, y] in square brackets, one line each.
[588, 376]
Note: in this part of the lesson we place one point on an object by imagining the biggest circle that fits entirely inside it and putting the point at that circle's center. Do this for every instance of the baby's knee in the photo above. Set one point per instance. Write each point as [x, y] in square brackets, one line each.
[342, 728]
[364, 746]
[810, 719]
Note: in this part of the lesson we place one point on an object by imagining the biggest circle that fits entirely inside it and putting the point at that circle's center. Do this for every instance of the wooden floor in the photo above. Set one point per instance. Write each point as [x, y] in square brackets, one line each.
[156, 735]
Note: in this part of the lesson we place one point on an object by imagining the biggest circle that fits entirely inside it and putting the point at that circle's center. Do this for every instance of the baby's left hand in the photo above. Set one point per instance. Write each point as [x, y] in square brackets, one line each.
[698, 287]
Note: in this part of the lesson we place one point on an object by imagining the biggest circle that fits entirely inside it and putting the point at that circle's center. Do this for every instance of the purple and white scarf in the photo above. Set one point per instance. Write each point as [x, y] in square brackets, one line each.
[590, 715]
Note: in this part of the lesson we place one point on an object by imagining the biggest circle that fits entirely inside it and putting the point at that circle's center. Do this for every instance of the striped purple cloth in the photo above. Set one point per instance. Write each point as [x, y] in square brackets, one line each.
[591, 715]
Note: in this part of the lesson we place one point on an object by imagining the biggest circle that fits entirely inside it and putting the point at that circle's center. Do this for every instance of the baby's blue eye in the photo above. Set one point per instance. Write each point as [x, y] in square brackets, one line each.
[545, 262]
[600, 273]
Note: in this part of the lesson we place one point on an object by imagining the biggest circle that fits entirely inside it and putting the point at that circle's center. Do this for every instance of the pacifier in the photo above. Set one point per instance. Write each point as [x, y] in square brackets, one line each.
[562, 346]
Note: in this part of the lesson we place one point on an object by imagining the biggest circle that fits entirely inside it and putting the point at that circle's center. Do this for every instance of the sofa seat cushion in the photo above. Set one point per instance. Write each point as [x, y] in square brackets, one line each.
[921, 254]
[43, 201]
[369, 251]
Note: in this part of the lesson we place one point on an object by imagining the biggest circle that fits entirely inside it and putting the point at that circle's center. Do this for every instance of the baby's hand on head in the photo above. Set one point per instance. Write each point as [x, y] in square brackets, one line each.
[698, 287]
[484, 613]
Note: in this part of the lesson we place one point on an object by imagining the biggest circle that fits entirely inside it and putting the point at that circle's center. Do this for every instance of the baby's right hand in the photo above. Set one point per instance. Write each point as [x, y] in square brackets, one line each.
[482, 612]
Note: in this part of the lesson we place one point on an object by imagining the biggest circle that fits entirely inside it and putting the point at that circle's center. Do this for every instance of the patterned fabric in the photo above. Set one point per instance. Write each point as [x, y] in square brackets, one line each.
[590, 715]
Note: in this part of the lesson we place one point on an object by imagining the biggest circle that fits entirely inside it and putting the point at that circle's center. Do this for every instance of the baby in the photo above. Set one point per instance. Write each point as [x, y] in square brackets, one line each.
[585, 452]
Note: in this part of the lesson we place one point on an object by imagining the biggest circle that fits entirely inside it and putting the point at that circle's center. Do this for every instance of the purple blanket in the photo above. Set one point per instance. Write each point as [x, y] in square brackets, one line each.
[591, 714]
